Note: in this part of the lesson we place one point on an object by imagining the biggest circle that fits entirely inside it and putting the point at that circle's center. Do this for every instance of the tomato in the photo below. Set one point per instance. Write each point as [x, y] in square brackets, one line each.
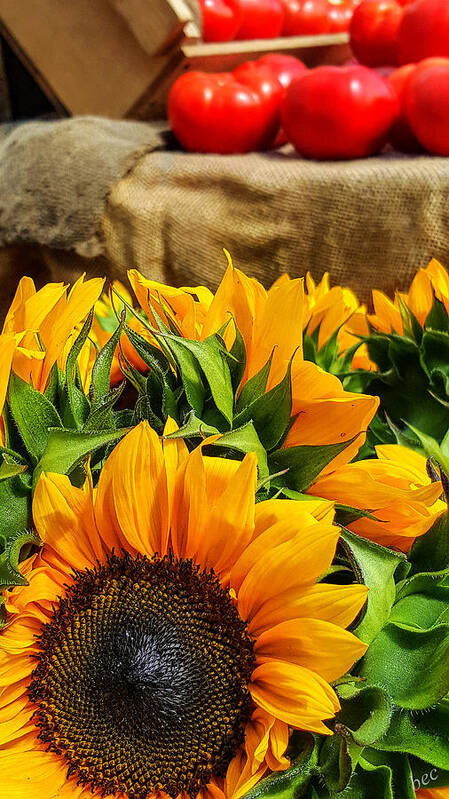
[221, 20]
[285, 67]
[401, 135]
[261, 19]
[426, 98]
[214, 113]
[305, 17]
[262, 80]
[340, 15]
[374, 32]
[424, 31]
[339, 112]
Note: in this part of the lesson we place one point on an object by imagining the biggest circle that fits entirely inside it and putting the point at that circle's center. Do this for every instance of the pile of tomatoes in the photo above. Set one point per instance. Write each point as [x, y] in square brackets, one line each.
[225, 20]
[397, 91]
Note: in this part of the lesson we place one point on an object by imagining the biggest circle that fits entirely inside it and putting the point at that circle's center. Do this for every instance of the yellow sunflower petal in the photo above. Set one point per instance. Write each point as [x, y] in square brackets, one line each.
[229, 491]
[338, 604]
[297, 562]
[324, 648]
[294, 695]
[132, 503]
[63, 317]
[62, 514]
[35, 774]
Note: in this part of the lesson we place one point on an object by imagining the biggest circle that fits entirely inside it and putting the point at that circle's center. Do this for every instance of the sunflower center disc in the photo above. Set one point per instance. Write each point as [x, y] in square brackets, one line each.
[142, 679]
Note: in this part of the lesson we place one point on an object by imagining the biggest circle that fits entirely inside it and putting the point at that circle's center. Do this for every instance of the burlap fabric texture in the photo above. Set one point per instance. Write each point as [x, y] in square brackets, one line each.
[122, 193]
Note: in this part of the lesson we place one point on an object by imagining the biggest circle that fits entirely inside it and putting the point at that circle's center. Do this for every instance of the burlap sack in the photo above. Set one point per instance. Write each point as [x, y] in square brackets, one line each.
[119, 191]
[371, 222]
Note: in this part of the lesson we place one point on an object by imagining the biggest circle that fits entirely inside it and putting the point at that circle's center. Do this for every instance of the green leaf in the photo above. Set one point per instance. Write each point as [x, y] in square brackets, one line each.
[237, 361]
[270, 413]
[370, 782]
[101, 418]
[375, 567]
[424, 736]
[190, 373]
[153, 357]
[430, 552]
[245, 439]
[210, 357]
[193, 428]
[67, 448]
[101, 372]
[10, 557]
[33, 414]
[335, 764]
[304, 463]
[365, 712]
[422, 610]
[8, 468]
[254, 387]
[411, 665]
[75, 405]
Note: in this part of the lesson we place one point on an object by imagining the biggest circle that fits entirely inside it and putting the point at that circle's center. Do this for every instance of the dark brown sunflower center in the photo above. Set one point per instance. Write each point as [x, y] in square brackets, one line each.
[142, 679]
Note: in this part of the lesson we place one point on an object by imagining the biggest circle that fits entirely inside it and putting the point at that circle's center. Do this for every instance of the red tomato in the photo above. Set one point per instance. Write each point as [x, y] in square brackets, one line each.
[221, 20]
[261, 80]
[340, 15]
[374, 32]
[285, 67]
[339, 112]
[401, 135]
[305, 17]
[426, 98]
[261, 19]
[213, 113]
[424, 31]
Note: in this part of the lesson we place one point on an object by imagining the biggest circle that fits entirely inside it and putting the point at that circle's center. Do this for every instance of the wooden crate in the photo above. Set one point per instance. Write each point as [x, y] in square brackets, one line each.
[118, 58]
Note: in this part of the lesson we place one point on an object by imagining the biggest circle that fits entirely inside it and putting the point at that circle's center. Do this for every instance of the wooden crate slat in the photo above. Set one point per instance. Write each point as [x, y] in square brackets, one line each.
[158, 24]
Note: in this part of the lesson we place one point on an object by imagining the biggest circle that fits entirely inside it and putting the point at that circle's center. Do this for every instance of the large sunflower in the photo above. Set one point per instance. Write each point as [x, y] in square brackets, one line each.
[190, 638]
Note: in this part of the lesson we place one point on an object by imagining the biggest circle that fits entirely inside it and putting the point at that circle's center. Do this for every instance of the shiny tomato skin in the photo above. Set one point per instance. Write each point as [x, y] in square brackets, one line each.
[339, 112]
[426, 98]
[305, 17]
[221, 20]
[424, 31]
[340, 15]
[260, 19]
[401, 135]
[374, 32]
[213, 113]
[260, 79]
[285, 67]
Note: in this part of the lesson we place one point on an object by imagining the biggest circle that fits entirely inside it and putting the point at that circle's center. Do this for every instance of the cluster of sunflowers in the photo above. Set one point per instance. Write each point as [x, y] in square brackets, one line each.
[224, 541]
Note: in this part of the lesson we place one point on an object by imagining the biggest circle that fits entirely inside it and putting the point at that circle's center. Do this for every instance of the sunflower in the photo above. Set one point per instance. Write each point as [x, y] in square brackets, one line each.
[433, 793]
[394, 487]
[43, 324]
[191, 636]
[428, 285]
[271, 324]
